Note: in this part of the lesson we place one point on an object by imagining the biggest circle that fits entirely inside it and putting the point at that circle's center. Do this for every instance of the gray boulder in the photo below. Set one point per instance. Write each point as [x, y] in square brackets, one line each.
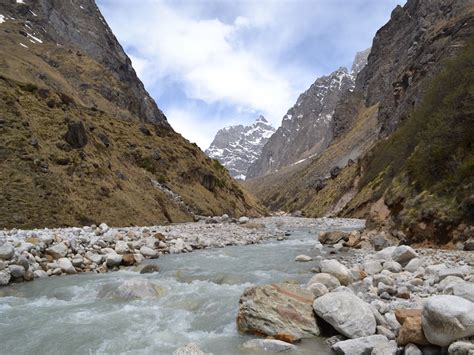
[461, 348]
[347, 313]
[359, 346]
[189, 349]
[330, 281]
[133, 289]
[58, 251]
[335, 268]
[66, 266]
[6, 251]
[403, 254]
[4, 278]
[17, 271]
[447, 318]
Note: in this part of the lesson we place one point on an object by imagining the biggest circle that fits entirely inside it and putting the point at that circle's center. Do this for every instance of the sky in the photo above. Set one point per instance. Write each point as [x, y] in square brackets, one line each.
[214, 63]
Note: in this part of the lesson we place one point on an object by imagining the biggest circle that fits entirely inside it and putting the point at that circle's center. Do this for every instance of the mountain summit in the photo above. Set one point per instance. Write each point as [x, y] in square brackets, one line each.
[236, 147]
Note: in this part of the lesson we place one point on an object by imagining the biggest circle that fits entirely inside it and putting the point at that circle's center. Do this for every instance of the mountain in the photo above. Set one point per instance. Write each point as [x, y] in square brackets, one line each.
[306, 129]
[403, 141]
[237, 147]
[82, 141]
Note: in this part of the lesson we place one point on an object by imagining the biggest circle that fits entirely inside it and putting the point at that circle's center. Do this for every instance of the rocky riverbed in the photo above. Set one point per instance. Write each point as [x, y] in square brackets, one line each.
[382, 300]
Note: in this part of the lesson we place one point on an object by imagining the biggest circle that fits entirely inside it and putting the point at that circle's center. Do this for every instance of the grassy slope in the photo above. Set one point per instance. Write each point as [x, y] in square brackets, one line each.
[426, 168]
[44, 87]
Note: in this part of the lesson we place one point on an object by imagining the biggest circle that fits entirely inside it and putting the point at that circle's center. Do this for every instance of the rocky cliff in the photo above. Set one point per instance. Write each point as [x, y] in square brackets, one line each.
[81, 140]
[306, 129]
[391, 158]
[237, 147]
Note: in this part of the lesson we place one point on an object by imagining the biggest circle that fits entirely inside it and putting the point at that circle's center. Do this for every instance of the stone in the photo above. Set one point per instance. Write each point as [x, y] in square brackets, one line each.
[335, 268]
[385, 254]
[66, 266]
[330, 281]
[414, 264]
[113, 259]
[403, 254]
[57, 251]
[392, 321]
[318, 289]
[461, 348]
[403, 313]
[359, 346]
[469, 244]
[447, 318]
[128, 259]
[4, 278]
[372, 267]
[412, 332]
[385, 332]
[77, 261]
[403, 292]
[243, 220]
[347, 313]
[303, 258]
[147, 268]
[189, 349]
[7, 251]
[392, 266]
[464, 290]
[449, 282]
[95, 258]
[17, 271]
[269, 345]
[148, 252]
[389, 348]
[121, 247]
[332, 238]
[276, 310]
[39, 274]
[412, 349]
[76, 134]
[133, 289]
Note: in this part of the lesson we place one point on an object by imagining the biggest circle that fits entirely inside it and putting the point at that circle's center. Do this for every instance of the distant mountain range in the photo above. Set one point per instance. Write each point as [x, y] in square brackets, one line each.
[236, 147]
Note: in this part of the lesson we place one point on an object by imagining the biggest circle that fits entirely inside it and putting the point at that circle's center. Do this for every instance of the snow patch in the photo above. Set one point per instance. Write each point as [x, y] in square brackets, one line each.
[2, 19]
[21, 44]
[20, 1]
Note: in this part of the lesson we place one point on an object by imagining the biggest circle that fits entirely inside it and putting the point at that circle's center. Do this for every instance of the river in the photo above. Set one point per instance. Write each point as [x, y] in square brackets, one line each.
[66, 315]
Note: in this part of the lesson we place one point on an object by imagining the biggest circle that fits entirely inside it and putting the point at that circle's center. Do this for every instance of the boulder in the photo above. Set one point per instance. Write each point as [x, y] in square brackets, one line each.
[403, 254]
[132, 289]
[412, 332]
[243, 220]
[461, 348]
[414, 264]
[403, 313]
[121, 247]
[17, 271]
[389, 348]
[128, 259]
[412, 349]
[317, 289]
[385, 254]
[66, 266]
[331, 282]
[464, 290]
[113, 259]
[447, 318]
[392, 266]
[303, 258]
[359, 346]
[269, 345]
[372, 267]
[283, 311]
[333, 237]
[335, 268]
[95, 258]
[76, 134]
[148, 252]
[6, 251]
[147, 268]
[4, 278]
[347, 313]
[57, 251]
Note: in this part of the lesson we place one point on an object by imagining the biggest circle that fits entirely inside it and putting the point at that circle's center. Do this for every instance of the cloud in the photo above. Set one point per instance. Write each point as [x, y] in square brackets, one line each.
[248, 57]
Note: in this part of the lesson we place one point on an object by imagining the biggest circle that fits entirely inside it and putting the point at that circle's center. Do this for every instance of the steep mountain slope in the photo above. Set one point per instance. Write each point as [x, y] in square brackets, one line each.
[306, 129]
[428, 134]
[81, 140]
[237, 147]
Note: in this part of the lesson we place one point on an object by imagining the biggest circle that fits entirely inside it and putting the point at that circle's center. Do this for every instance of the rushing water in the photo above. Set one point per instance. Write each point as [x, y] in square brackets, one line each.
[66, 315]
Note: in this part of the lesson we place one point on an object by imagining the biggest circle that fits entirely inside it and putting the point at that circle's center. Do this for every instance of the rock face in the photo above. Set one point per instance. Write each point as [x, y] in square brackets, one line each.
[95, 142]
[447, 318]
[133, 289]
[237, 147]
[306, 129]
[347, 313]
[283, 311]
